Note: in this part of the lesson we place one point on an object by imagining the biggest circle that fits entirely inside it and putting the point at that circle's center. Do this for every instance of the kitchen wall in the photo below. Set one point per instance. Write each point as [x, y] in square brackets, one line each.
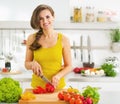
[100, 38]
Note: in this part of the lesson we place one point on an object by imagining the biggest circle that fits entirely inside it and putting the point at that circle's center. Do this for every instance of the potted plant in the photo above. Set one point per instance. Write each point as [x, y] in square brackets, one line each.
[115, 37]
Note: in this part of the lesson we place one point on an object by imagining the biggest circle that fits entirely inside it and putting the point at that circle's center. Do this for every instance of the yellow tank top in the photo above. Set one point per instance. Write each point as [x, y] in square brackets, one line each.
[50, 60]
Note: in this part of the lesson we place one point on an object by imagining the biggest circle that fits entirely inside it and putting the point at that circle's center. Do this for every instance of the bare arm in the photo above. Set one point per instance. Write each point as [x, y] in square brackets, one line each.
[66, 59]
[30, 63]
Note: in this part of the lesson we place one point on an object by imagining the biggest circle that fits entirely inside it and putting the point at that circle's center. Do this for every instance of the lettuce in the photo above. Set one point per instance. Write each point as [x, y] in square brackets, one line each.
[10, 90]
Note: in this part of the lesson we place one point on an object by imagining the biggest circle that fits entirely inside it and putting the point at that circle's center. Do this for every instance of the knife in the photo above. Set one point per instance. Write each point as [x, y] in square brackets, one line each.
[45, 79]
[89, 49]
[81, 47]
[74, 49]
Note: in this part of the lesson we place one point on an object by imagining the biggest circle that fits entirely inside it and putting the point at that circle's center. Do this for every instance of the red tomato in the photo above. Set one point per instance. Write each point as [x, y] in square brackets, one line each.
[61, 95]
[72, 101]
[78, 101]
[77, 96]
[67, 97]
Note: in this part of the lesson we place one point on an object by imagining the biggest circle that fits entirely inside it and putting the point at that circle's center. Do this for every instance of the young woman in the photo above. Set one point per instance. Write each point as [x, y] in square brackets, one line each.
[48, 52]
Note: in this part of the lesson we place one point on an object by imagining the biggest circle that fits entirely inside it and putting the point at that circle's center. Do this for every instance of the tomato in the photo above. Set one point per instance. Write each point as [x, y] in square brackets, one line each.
[67, 97]
[61, 95]
[72, 101]
[77, 96]
[78, 101]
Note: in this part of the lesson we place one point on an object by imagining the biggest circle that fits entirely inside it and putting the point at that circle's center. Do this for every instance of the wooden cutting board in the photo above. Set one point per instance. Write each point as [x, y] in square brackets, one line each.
[48, 98]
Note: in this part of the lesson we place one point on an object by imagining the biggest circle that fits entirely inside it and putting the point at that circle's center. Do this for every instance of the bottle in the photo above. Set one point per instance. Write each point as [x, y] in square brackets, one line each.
[8, 65]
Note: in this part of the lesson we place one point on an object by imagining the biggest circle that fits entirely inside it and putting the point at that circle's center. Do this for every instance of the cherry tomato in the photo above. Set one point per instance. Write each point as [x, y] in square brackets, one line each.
[67, 97]
[72, 101]
[61, 95]
[78, 101]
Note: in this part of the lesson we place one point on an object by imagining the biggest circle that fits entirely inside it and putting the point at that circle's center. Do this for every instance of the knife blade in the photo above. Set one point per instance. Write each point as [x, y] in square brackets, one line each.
[89, 49]
[81, 47]
[45, 79]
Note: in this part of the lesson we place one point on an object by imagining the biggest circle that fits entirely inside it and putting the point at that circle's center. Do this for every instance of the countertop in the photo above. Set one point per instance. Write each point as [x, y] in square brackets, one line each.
[27, 75]
[80, 78]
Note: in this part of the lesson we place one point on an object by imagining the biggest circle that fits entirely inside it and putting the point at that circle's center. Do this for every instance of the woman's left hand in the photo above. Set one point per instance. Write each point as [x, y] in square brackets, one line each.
[55, 80]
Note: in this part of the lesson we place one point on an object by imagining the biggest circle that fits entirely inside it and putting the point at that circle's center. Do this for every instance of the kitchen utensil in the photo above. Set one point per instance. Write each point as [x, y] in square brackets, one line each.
[89, 63]
[45, 79]
[1, 46]
[74, 49]
[81, 47]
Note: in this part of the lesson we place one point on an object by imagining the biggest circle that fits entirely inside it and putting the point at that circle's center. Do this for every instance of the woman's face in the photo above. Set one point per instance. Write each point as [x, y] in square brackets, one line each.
[46, 19]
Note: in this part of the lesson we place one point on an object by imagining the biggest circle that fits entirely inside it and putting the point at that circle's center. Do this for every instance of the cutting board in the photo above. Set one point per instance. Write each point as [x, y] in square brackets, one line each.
[48, 98]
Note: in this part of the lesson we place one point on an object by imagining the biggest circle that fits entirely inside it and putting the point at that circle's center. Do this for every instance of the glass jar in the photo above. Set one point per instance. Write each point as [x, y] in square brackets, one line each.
[101, 16]
[90, 15]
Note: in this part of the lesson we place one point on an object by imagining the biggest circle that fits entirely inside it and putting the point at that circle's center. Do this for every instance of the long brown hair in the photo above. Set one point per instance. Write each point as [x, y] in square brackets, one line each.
[35, 24]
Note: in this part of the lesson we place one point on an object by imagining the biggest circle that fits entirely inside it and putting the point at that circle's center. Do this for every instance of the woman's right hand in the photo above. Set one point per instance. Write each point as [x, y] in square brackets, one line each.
[36, 68]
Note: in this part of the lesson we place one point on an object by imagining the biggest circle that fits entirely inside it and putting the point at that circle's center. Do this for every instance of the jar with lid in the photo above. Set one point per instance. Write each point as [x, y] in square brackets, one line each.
[90, 15]
[101, 16]
[77, 15]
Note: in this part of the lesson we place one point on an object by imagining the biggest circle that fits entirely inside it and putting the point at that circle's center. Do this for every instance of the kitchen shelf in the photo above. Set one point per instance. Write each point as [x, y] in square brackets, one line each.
[63, 25]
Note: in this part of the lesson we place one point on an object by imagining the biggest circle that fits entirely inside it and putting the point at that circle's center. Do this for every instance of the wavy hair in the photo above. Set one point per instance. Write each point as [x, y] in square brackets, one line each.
[35, 24]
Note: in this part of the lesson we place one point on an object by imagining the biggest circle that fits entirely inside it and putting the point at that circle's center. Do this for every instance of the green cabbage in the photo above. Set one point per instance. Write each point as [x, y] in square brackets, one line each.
[10, 90]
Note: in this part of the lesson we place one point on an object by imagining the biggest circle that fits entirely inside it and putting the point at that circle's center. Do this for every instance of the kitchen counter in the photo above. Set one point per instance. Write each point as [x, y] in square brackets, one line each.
[26, 77]
[22, 77]
[72, 77]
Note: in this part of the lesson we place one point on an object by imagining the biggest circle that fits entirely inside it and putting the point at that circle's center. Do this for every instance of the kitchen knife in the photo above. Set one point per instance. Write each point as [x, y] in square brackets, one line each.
[74, 49]
[81, 47]
[45, 79]
[89, 49]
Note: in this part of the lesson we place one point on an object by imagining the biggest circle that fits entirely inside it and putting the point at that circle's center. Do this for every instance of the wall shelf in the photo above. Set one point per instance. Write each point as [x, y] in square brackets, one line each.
[62, 25]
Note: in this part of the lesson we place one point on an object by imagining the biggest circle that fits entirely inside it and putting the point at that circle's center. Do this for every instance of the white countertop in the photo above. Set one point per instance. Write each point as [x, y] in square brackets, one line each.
[72, 77]
[79, 78]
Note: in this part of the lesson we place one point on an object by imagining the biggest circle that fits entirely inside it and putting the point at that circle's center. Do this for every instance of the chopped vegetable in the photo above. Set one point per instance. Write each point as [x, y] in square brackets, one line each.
[27, 96]
[10, 90]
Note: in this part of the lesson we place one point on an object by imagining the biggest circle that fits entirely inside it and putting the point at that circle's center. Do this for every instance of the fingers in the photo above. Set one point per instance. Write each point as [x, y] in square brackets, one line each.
[36, 68]
[55, 81]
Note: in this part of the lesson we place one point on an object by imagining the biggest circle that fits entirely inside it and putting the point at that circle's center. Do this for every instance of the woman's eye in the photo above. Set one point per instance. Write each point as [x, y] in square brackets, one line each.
[47, 16]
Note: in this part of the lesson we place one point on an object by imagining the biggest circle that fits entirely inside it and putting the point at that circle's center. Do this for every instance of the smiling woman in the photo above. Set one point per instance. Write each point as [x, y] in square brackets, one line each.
[46, 49]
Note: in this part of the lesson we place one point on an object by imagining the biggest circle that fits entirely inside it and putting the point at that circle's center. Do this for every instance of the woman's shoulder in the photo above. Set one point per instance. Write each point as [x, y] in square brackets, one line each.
[31, 38]
[63, 36]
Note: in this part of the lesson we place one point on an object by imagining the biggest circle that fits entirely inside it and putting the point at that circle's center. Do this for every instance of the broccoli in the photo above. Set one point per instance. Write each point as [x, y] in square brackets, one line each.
[10, 90]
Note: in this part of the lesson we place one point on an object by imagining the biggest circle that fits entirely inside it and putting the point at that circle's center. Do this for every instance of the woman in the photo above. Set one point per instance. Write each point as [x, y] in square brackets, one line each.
[48, 52]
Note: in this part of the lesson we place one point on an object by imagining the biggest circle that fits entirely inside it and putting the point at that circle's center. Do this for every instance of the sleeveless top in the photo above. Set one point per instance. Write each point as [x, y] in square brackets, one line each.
[50, 60]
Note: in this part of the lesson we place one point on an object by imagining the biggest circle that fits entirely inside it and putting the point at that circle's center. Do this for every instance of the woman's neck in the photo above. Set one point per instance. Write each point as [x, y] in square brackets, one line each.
[48, 33]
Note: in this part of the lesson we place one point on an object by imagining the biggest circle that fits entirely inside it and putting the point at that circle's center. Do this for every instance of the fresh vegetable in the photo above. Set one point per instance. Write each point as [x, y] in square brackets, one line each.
[39, 90]
[91, 94]
[48, 89]
[10, 90]
[27, 96]
[109, 69]
[79, 70]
